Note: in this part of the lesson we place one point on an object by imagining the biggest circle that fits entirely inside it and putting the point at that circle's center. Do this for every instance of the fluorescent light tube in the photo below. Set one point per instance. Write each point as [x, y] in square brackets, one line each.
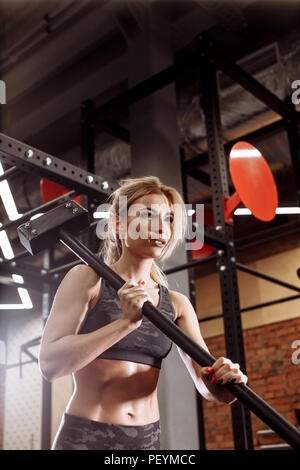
[288, 210]
[5, 246]
[101, 215]
[17, 278]
[245, 153]
[7, 199]
[242, 211]
[12, 307]
[23, 293]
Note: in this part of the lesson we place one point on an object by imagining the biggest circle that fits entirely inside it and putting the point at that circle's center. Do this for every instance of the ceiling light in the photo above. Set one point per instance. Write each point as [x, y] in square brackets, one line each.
[5, 246]
[23, 293]
[17, 278]
[242, 211]
[288, 210]
[245, 153]
[279, 210]
[7, 199]
[101, 215]
[12, 307]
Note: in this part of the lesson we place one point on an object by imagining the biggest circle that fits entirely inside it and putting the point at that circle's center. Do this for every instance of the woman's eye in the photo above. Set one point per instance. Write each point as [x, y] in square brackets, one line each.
[170, 219]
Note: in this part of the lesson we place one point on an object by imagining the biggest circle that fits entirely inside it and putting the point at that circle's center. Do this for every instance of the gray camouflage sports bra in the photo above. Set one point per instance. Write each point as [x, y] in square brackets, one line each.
[146, 344]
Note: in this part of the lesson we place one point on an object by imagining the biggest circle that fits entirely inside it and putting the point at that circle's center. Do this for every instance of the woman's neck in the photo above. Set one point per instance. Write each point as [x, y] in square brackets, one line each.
[126, 275]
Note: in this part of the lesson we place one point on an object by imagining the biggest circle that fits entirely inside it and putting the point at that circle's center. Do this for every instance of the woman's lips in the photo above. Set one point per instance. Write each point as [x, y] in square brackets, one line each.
[157, 242]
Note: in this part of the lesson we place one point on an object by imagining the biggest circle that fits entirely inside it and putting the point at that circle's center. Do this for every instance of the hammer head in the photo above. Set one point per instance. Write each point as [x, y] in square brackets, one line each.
[41, 233]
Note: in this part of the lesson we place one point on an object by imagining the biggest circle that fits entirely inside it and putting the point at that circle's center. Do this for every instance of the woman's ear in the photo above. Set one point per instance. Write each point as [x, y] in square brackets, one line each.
[115, 224]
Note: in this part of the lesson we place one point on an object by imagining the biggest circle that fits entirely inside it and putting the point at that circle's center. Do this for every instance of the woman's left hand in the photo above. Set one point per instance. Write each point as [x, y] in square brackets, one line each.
[224, 371]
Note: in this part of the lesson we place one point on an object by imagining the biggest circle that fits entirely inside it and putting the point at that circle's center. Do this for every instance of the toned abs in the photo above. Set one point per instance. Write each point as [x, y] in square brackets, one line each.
[115, 391]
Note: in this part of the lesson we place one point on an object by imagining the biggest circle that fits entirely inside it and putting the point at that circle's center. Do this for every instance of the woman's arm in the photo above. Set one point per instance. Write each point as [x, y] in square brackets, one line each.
[223, 368]
[62, 350]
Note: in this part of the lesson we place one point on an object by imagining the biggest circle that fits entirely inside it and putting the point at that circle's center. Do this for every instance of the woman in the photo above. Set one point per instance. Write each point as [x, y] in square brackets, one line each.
[100, 336]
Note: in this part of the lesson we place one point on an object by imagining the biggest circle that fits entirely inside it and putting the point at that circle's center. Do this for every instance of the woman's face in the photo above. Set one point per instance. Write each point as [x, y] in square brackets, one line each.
[149, 226]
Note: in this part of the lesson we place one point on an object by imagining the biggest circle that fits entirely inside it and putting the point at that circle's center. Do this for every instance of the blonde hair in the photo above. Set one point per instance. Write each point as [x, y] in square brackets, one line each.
[134, 188]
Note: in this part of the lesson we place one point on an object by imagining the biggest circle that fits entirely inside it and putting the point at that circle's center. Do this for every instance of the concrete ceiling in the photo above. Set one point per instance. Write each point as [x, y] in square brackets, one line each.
[55, 54]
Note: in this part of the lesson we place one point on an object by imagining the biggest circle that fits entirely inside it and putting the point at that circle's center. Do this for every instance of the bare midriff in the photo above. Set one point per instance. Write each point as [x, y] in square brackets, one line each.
[117, 392]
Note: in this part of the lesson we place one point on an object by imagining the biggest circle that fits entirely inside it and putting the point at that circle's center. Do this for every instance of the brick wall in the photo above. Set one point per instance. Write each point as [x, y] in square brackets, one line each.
[271, 374]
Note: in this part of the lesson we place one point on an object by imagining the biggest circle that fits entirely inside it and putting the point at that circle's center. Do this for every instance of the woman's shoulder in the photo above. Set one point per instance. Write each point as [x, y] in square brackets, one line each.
[84, 274]
[178, 300]
[178, 296]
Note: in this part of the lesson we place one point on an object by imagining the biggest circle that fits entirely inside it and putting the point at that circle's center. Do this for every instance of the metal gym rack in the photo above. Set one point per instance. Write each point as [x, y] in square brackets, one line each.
[205, 61]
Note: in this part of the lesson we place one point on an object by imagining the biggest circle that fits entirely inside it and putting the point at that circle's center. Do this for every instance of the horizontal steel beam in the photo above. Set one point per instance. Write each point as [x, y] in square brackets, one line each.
[17, 364]
[190, 265]
[214, 236]
[270, 234]
[255, 273]
[61, 269]
[237, 74]
[202, 158]
[32, 160]
[253, 307]
[271, 302]
[24, 269]
[13, 171]
[146, 87]
[42, 208]
[31, 286]
[114, 129]
[29, 354]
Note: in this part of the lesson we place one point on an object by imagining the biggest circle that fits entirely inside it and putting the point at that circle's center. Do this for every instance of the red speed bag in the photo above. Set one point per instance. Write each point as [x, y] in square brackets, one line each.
[254, 182]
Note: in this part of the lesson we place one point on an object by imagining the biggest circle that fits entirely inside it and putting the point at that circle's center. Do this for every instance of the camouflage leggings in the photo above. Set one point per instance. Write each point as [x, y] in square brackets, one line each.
[76, 433]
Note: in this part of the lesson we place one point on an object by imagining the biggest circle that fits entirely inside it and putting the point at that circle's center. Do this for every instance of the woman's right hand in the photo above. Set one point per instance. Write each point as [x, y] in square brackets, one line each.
[132, 298]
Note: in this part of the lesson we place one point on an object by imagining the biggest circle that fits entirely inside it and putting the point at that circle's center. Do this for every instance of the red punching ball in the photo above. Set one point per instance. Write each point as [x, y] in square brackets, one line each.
[255, 188]
[254, 183]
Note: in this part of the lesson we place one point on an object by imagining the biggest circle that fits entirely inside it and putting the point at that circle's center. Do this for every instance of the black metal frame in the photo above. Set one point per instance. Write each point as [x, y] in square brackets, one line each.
[199, 399]
[36, 242]
[241, 420]
[209, 60]
[24, 348]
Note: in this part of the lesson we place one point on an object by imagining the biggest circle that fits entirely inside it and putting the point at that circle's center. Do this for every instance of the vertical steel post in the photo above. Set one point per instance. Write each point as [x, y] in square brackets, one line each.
[47, 299]
[87, 121]
[241, 420]
[3, 364]
[292, 129]
[199, 400]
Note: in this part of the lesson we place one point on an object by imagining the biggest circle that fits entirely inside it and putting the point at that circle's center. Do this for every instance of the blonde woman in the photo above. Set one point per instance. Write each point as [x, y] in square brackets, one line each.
[100, 336]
